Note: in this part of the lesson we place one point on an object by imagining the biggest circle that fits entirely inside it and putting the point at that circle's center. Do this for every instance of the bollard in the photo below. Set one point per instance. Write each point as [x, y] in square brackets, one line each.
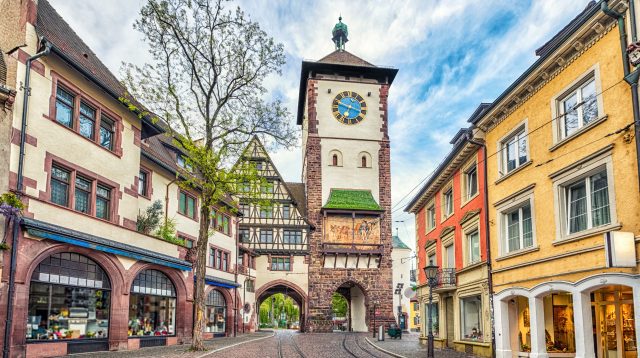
[381, 333]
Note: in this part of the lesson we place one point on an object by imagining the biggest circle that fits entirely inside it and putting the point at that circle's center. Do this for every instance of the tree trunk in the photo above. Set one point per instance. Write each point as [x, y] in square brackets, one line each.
[200, 271]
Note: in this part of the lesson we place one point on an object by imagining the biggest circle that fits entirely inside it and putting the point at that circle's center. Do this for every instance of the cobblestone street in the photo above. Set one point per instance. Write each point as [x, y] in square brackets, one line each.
[291, 344]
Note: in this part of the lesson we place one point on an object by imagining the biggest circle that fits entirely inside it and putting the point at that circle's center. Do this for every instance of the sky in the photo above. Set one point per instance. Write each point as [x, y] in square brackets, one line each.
[451, 55]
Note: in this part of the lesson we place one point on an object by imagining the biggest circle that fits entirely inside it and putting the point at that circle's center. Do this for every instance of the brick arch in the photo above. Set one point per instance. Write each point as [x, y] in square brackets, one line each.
[229, 305]
[112, 267]
[184, 295]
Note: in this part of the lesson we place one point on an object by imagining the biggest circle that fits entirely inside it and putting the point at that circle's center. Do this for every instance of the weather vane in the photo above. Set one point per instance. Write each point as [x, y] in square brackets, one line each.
[340, 34]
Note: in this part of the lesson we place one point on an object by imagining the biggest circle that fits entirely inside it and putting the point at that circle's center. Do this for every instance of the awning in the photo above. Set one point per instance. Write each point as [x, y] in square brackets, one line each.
[45, 230]
[220, 282]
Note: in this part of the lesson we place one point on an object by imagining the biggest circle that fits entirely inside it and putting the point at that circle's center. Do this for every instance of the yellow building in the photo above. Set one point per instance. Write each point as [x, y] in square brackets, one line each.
[563, 199]
[414, 315]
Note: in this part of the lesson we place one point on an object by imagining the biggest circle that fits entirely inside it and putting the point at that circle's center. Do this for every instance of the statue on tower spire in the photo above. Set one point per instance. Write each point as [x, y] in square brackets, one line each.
[340, 34]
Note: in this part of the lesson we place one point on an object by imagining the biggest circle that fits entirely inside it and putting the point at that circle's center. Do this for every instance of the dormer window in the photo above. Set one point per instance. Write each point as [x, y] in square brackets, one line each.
[182, 162]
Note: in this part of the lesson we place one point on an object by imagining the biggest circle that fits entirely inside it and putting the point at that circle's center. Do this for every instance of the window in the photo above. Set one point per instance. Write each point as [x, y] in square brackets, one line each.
[578, 108]
[259, 166]
[60, 186]
[447, 199]
[449, 257]
[188, 243]
[268, 187]
[69, 298]
[245, 209]
[588, 203]
[226, 229]
[103, 202]
[64, 107]
[266, 236]
[471, 317]
[187, 205]
[334, 160]
[225, 261]
[473, 247]
[243, 234]
[106, 132]
[286, 211]
[250, 285]
[218, 263]
[514, 151]
[431, 217]
[471, 181]
[558, 307]
[292, 236]
[220, 222]
[182, 162]
[435, 315]
[216, 312]
[87, 121]
[83, 195]
[212, 257]
[363, 161]
[432, 259]
[152, 303]
[241, 259]
[266, 212]
[143, 176]
[518, 228]
[280, 264]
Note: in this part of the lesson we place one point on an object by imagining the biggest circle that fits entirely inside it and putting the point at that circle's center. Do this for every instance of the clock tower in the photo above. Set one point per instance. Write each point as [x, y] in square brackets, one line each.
[343, 111]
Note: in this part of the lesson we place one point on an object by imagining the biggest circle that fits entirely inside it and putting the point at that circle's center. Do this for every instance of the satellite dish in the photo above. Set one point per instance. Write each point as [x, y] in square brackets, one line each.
[409, 293]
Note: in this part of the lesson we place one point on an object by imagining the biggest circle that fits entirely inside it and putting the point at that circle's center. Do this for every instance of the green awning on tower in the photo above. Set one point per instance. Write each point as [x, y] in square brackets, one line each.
[351, 199]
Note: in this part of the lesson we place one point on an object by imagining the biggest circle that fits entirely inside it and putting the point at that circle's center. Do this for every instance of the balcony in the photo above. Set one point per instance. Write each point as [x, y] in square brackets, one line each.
[446, 280]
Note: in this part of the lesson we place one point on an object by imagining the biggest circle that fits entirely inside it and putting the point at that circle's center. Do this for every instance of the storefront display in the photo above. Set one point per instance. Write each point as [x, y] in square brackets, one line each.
[435, 322]
[521, 305]
[152, 305]
[613, 320]
[560, 335]
[69, 298]
[216, 312]
[471, 317]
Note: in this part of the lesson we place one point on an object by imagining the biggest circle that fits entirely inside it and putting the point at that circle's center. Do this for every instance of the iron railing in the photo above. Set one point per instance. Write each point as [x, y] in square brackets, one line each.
[446, 278]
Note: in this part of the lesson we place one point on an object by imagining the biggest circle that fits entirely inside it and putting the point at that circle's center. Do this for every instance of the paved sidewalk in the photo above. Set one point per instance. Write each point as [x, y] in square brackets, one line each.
[409, 346]
[181, 351]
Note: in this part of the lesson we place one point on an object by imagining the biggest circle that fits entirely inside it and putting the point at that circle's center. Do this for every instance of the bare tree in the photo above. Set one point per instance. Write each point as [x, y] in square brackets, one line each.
[207, 83]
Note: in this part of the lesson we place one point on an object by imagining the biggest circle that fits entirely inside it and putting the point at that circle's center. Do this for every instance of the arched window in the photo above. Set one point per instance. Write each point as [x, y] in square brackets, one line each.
[68, 287]
[216, 312]
[152, 305]
[336, 158]
[365, 160]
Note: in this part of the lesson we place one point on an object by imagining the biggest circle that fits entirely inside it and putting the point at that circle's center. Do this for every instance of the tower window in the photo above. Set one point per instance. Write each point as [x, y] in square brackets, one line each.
[364, 161]
[335, 160]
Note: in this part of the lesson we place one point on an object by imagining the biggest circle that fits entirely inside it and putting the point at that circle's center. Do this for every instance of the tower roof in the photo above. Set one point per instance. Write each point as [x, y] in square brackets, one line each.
[399, 244]
[344, 58]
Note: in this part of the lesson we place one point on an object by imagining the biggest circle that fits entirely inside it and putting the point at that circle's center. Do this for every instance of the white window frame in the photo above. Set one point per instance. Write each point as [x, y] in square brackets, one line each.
[472, 227]
[520, 130]
[430, 220]
[579, 170]
[448, 240]
[508, 205]
[557, 108]
[467, 196]
[445, 214]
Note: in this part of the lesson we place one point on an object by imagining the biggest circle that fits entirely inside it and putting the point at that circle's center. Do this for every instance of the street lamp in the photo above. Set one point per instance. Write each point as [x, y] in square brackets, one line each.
[431, 271]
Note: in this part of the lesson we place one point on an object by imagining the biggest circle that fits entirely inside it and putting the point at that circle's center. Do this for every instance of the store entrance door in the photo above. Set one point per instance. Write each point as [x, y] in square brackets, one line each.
[613, 322]
[449, 314]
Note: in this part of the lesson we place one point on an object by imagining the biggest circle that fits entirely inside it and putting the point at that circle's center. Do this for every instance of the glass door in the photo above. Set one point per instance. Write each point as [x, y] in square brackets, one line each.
[614, 319]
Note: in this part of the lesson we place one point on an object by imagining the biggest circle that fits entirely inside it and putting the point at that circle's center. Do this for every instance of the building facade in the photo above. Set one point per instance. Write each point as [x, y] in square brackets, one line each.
[451, 233]
[401, 260]
[86, 277]
[564, 198]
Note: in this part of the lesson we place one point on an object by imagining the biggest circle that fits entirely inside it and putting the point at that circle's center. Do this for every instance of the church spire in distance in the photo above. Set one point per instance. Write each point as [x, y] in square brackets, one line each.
[340, 34]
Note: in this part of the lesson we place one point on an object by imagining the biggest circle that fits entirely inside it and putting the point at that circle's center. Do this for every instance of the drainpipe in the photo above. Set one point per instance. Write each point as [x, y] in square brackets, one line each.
[16, 221]
[630, 77]
[487, 236]
[166, 201]
[235, 288]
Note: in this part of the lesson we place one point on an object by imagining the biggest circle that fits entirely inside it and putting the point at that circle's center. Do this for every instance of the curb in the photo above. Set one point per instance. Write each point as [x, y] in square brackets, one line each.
[384, 350]
[236, 344]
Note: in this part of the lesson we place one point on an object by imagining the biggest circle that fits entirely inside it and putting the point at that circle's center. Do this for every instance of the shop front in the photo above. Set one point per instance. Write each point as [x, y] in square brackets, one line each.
[595, 317]
[152, 308]
[216, 313]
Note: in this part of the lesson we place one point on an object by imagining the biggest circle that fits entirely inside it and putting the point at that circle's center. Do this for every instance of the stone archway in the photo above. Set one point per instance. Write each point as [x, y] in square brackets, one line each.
[287, 288]
[358, 302]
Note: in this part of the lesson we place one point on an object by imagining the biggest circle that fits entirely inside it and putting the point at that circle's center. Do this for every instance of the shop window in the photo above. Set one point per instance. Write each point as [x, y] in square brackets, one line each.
[471, 318]
[613, 320]
[435, 322]
[152, 305]
[216, 312]
[69, 298]
[524, 323]
[560, 332]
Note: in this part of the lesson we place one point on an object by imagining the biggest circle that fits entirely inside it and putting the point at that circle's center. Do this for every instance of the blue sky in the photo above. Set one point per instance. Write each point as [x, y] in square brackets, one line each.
[452, 55]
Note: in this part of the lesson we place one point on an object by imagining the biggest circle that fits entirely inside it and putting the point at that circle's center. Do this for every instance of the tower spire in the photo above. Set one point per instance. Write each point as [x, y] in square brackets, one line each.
[340, 34]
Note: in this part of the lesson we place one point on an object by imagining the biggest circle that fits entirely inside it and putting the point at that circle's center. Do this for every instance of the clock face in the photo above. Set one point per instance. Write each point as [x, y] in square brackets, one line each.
[349, 107]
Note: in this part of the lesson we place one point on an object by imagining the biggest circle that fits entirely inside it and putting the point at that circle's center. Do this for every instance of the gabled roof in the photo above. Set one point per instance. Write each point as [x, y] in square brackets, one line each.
[345, 58]
[70, 47]
[352, 199]
[296, 190]
[399, 244]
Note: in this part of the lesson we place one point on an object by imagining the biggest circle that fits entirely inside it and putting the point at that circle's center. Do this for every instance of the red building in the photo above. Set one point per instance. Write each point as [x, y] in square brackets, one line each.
[451, 232]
